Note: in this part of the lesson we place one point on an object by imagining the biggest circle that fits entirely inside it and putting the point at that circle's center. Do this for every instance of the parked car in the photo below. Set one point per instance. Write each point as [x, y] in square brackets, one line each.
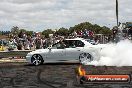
[68, 50]
[3, 44]
[11, 45]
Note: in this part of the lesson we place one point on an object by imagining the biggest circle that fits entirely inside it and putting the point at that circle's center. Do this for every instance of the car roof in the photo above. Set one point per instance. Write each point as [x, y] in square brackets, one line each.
[75, 39]
[82, 39]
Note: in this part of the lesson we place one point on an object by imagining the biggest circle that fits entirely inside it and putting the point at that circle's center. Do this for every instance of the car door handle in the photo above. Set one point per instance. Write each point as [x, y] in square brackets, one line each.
[78, 50]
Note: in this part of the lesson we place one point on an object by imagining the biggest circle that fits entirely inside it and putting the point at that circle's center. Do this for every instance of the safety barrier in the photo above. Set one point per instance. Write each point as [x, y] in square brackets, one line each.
[14, 53]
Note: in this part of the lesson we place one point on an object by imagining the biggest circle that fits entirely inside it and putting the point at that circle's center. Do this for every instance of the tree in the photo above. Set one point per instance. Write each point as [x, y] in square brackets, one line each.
[81, 26]
[62, 32]
[105, 30]
[47, 32]
[93, 27]
[22, 30]
[96, 28]
[0, 32]
[15, 30]
[29, 33]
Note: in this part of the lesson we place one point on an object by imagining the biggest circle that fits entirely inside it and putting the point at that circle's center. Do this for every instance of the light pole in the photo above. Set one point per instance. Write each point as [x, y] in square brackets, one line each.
[117, 12]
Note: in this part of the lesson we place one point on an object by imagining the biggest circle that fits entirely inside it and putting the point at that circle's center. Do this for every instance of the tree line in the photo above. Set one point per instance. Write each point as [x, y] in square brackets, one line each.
[66, 32]
[4, 32]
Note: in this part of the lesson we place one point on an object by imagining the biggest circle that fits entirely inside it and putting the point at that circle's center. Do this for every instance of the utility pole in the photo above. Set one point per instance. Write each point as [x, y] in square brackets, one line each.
[117, 12]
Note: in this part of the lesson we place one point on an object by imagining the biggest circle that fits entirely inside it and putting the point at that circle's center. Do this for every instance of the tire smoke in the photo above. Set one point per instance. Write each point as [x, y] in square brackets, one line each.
[119, 54]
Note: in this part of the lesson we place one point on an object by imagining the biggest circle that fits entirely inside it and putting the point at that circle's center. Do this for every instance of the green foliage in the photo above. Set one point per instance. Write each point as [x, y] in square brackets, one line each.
[0, 33]
[81, 26]
[105, 30]
[15, 30]
[29, 33]
[95, 28]
[47, 32]
[22, 30]
[62, 32]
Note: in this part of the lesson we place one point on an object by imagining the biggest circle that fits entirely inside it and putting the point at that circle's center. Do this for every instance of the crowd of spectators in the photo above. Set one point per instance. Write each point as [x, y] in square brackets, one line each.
[84, 34]
[22, 41]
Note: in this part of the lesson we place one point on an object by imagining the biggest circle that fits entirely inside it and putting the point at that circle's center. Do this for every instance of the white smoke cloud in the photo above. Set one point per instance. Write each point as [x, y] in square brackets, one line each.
[119, 54]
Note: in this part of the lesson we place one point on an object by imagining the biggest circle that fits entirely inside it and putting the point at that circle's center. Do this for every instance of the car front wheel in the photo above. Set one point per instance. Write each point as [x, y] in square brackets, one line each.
[37, 59]
[85, 57]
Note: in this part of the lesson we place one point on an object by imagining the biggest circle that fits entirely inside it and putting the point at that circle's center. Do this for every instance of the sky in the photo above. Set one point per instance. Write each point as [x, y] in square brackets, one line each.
[38, 15]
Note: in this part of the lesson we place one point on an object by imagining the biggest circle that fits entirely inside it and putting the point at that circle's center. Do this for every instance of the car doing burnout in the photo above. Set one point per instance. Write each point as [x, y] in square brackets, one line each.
[68, 50]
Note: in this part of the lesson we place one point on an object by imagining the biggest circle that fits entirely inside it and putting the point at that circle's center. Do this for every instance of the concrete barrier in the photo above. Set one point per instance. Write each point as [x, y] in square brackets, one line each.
[14, 53]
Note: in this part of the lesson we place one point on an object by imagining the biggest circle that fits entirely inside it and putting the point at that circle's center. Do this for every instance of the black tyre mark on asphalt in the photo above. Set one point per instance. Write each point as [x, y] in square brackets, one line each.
[43, 82]
[61, 85]
[37, 70]
[12, 82]
[50, 83]
[1, 86]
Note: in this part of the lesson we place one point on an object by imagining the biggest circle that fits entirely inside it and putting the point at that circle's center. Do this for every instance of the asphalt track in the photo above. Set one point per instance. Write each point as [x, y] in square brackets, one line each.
[60, 75]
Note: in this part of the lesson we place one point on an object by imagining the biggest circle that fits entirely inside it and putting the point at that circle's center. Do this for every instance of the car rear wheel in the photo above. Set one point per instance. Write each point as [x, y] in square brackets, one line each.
[37, 59]
[85, 57]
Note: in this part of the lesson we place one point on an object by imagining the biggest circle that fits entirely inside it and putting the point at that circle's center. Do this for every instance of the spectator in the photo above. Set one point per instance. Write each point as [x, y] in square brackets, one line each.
[27, 43]
[19, 45]
[38, 43]
[11, 45]
[75, 34]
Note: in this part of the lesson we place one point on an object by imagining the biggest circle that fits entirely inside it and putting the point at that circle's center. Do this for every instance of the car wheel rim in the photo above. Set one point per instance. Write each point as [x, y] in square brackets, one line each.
[36, 59]
[85, 57]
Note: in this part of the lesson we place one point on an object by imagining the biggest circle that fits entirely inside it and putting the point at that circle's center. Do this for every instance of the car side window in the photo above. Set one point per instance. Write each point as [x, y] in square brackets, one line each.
[72, 44]
[66, 43]
[79, 43]
[58, 45]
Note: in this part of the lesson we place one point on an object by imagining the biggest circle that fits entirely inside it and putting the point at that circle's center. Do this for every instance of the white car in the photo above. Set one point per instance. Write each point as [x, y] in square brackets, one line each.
[69, 50]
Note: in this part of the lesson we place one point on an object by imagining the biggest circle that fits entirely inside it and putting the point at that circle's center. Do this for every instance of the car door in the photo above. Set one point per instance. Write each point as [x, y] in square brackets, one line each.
[73, 53]
[74, 50]
[56, 53]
